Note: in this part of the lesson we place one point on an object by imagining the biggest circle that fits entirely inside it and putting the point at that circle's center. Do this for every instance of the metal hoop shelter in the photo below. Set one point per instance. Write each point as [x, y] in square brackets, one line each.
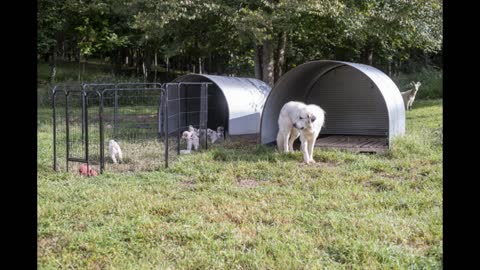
[234, 102]
[358, 100]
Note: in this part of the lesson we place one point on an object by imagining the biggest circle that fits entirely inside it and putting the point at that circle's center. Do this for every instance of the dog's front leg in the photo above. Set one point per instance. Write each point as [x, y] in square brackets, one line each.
[113, 158]
[120, 155]
[311, 146]
[304, 148]
[286, 136]
[189, 144]
[293, 136]
[196, 144]
[280, 141]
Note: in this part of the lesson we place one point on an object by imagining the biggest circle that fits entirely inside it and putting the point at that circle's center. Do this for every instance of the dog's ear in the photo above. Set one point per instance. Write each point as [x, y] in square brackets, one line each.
[313, 118]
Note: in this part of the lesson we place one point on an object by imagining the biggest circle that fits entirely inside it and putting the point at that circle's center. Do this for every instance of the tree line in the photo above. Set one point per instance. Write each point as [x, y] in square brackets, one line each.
[261, 38]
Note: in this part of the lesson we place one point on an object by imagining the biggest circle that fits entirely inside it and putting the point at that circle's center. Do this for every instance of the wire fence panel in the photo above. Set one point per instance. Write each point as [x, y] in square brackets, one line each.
[131, 118]
[145, 119]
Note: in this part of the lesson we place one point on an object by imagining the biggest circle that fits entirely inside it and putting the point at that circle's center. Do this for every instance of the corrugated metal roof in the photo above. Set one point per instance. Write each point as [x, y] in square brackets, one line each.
[358, 99]
[245, 98]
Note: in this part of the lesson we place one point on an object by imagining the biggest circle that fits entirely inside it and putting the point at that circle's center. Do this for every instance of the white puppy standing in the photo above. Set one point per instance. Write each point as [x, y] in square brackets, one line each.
[297, 119]
[114, 149]
[192, 140]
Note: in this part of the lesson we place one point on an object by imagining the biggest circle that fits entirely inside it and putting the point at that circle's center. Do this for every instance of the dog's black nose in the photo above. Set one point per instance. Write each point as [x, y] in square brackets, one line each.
[302, 128]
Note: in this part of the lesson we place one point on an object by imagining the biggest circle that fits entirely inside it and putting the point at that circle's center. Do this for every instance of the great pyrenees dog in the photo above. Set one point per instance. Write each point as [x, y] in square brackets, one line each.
[297, 119]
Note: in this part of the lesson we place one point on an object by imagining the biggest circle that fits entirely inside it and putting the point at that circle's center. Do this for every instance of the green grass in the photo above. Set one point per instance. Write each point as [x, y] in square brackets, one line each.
[249, 207]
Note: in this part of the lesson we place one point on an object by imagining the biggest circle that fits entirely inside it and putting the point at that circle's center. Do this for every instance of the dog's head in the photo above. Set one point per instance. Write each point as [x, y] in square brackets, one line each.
[304, 119]
[187, 135]
[191, 128]
[220, 129]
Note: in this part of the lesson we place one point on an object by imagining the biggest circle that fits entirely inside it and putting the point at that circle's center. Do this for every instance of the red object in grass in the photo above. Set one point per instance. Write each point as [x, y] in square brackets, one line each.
[83, 170]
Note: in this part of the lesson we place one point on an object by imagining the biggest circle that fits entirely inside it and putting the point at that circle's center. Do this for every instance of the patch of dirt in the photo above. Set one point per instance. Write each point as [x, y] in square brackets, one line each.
[387, 175]
[50, 244]
[45, 242]
[247, 183]
[319, 164]
[187, 183]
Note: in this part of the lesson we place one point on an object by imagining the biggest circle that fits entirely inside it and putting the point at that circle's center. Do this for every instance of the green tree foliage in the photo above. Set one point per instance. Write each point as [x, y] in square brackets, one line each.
[243, 37]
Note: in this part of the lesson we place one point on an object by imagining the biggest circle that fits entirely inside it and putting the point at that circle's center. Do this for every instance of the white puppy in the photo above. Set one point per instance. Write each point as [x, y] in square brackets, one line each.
[220, 135]
[115, 150]
[192, 139]
[212, 134]
[297, 119]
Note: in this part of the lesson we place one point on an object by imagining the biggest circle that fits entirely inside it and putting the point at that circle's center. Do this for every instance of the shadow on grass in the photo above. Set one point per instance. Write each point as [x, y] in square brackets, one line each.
[251, 153]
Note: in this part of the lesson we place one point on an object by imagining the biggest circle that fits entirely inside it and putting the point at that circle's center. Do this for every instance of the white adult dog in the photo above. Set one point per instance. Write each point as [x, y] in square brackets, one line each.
[297, 119]
[115, 150]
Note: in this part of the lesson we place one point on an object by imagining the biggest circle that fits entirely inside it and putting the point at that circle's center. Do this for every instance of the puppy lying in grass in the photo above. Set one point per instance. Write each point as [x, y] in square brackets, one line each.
[83, 170]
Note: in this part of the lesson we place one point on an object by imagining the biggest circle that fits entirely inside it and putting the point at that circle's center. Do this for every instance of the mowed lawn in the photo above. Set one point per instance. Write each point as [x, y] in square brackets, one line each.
[249, 207]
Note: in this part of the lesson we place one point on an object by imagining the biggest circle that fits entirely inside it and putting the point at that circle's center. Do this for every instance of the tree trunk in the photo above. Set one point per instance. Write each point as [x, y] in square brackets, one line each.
[399, 67]
[200, 70]
[257, 58]
[79, 66]
[368, 54]
[139, 61]
[129, 59]
[144, 71]
[53, 65]
[426, 58]
[117, 64]
[209, 63]
[168, 63]
[267, 62]
[147, 62]
[155, 66]
[83, 69]
[280, 56]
